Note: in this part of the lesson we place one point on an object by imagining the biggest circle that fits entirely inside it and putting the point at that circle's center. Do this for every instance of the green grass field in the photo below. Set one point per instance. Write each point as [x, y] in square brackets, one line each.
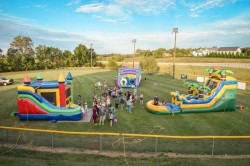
[31, 158]
[139, 121]
[191, 60]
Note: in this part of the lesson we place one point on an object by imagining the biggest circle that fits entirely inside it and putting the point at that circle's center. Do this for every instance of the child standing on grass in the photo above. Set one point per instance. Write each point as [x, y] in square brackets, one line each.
[116, 102]
[102, 111]
[122, 101]
[111, 118]
[86, 106]
[129, 103]
[105, 85]
[141, 98]
[79, 100]
[95, 114]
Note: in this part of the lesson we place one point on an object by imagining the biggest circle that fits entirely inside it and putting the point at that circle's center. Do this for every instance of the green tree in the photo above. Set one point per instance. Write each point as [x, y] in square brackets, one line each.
[1, 51]
[210, 54]
[69, 58]
[88, 57]
[49, 57]
[18, 62]
[81, 52]
[55, 57]
[181, 52]
[226, 55]
[142, 53]
[245, 50]
[238, 55]
[159, 52]
[29, 63]
[22, 50]
[149, 65]
[148, 53]
[112, 64]
[3, 64]
[139, 52]
[13, 60]
[42, 57]
[24, 45]
[118, 58]
[59, 60]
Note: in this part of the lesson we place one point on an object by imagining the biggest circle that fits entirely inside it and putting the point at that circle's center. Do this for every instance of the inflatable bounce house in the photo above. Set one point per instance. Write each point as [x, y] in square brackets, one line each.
[129, 77]
[47, 100]
[217, 94]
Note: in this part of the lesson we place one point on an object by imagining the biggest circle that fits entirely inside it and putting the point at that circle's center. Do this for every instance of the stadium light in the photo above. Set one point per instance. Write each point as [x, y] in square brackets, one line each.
[175, 30]
[134, 41]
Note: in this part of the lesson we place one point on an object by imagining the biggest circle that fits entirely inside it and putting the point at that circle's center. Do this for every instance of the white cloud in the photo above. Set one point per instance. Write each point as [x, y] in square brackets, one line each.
[73, 2]
[11, 17]
[92, 8]
[103, 42]
[38, 6]
[123, 20]
[121, 43]
[230, 32]
[123, 9]
[106, 13]
[147, 6]
[198, 7]
[236, 25]
[232, 24]
[105, 19]
[52, 37]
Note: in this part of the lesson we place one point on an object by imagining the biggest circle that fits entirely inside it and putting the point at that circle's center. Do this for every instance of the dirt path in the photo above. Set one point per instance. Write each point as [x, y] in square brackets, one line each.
[235, 65]
[119, 154]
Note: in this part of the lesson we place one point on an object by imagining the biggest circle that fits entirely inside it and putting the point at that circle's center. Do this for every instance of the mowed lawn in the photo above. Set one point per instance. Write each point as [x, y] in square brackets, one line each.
[31, 158]
[139, 121]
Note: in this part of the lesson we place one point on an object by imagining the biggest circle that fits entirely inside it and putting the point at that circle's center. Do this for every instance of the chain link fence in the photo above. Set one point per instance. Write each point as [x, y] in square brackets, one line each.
[202, 145]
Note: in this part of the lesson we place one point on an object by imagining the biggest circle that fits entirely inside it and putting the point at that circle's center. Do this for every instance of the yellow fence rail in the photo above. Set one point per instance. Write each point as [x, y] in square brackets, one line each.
[125, 134]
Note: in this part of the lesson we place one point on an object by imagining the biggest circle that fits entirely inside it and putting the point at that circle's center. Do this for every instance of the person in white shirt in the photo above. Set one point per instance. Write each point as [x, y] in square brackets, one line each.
[141, 98]
[83, 111]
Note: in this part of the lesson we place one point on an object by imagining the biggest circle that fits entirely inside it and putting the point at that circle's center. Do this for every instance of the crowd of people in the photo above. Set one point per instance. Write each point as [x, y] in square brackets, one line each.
[102, 105]
[111, 100]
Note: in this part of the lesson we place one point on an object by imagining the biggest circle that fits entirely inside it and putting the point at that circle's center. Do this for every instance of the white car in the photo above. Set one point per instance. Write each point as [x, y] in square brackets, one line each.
[4, 81]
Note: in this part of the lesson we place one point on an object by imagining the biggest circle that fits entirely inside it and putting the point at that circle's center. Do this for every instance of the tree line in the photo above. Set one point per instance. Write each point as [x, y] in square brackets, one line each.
[245, 53]
[22, 56]
[181, 52]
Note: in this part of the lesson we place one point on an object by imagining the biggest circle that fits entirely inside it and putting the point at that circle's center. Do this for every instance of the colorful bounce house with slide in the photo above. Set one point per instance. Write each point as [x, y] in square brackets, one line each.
[47, 100]
[217, 94]
[129, 77]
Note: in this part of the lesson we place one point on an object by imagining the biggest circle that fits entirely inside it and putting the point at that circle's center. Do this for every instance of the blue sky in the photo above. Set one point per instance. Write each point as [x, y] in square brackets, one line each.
[110, 25]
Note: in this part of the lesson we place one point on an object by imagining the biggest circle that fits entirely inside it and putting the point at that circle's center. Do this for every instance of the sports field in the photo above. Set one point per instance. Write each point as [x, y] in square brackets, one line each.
[139, 121]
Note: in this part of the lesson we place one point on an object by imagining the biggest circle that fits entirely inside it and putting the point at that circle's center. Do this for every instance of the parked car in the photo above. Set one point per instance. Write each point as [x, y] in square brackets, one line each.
[4, 81]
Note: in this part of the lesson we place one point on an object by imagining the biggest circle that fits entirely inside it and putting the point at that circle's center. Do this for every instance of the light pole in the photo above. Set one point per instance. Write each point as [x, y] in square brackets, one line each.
[134, 41]
[91, 55]
[175, 30]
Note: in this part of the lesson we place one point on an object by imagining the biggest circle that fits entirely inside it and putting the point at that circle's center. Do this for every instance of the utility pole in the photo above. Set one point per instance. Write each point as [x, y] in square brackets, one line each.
[91, 54]
[134, 41]
[175, 30]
